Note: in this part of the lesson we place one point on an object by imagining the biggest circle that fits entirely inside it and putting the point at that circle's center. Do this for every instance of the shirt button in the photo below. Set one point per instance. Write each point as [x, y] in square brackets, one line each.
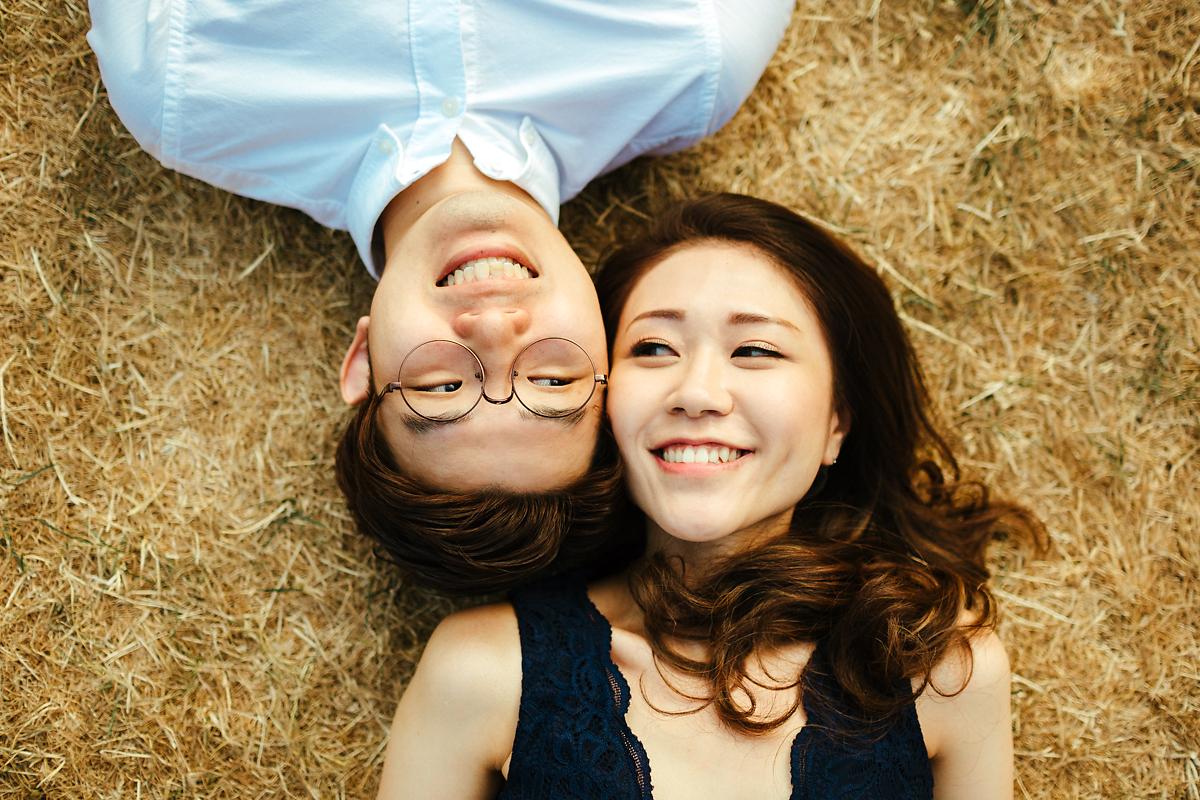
[385, 145]
[527, 137]
[450, 107]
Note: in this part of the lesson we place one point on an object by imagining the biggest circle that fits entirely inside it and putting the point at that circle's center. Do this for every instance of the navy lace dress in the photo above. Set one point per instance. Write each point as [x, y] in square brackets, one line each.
[573, 743]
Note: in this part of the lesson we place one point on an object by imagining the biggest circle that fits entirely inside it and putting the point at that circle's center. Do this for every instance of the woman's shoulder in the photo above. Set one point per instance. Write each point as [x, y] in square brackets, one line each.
[473, 660]
[487, 632]
[981, 663]
[966, 704]
[455, 723]
[483, 645]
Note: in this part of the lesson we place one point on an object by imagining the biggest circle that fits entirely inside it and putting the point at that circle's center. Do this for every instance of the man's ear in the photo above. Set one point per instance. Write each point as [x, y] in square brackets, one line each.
[356, 367]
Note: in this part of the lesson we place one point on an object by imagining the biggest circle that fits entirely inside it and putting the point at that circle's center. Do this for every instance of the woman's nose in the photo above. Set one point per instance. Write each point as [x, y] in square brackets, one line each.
[701, 389]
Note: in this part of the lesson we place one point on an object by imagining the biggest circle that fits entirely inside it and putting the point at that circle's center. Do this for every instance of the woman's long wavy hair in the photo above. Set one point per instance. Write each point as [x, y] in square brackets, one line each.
[881, 559]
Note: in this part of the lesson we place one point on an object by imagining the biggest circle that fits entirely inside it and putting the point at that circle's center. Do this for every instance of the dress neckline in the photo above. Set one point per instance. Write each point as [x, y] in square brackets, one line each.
[633, 745]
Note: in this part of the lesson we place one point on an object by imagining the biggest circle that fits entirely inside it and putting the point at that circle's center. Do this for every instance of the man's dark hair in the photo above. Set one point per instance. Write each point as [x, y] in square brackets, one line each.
[481, 541]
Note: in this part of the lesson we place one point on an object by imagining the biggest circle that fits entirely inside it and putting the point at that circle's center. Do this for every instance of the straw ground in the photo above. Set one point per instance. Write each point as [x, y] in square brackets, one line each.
[184, 608]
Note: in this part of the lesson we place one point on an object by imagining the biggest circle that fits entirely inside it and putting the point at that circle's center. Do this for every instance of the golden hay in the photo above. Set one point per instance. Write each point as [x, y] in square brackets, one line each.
[185, 609]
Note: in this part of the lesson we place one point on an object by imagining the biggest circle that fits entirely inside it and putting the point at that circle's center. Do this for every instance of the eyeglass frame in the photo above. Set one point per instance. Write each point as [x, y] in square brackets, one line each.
[598, 378]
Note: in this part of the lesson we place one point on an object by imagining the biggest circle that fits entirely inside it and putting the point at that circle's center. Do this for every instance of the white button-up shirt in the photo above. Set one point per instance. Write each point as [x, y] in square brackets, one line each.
[335, 107]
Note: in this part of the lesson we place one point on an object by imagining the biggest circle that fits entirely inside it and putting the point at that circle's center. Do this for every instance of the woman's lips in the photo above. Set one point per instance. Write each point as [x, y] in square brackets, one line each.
[687, 457]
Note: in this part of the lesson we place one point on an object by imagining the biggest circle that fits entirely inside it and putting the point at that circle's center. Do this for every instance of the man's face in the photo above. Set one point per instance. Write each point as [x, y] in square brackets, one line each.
[491, 272]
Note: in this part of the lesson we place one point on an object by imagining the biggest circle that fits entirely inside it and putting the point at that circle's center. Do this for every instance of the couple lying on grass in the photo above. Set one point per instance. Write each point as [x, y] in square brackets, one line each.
[782, 591]
[737, 547]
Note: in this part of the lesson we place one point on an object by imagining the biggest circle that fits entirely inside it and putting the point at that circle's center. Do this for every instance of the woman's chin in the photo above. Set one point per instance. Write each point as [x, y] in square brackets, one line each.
[710, 532]
[696, 531]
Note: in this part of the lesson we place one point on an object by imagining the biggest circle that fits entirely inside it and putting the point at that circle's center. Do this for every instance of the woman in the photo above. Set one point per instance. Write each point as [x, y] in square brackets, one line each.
[809, 616]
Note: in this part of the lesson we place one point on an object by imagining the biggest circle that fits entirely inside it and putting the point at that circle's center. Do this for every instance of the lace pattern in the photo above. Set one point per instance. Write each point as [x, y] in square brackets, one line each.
[824, 765]
[573, 743]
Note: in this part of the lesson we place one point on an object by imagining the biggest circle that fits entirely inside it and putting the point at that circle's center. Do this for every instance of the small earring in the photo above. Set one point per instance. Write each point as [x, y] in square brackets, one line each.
[833, 462]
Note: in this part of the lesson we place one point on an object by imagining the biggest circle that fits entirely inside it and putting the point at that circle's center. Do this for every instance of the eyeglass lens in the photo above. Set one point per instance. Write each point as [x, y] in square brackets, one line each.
[442, 380]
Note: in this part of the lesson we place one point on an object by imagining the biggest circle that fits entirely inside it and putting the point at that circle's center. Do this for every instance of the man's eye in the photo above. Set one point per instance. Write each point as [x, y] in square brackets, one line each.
[439, 388]
[756, 351]
[548, 381]
[649, 349]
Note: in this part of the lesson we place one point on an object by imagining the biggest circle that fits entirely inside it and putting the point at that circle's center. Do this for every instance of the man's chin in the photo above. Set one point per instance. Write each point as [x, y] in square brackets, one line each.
[484, 210]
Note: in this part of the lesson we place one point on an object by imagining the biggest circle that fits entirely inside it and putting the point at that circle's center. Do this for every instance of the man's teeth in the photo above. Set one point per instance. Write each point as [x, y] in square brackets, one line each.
[701, 454]
[484, 269]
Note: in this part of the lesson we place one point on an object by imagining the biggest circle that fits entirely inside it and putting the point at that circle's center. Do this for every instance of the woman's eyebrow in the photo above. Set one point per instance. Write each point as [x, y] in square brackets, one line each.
[748, 318]
[671, 314]
[736, 318]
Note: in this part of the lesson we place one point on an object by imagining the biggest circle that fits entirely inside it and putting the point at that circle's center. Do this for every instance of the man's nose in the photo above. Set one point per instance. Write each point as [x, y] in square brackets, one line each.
[701, 389]
[491, 326]
[493, 334]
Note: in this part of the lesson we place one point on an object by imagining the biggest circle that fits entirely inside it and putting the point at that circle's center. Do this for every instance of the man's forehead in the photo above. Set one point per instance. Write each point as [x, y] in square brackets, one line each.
[513, 453]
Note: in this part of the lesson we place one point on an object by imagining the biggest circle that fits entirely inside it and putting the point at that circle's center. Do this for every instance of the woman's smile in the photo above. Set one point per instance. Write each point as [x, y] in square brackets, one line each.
[699, 458]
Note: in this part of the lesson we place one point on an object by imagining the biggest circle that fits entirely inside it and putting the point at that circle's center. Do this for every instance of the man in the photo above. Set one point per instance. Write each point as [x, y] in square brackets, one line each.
[443, 136]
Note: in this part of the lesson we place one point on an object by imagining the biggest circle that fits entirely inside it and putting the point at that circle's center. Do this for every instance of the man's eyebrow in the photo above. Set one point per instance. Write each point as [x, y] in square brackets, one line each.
[569, 421]
[748, 318]
[420, 425]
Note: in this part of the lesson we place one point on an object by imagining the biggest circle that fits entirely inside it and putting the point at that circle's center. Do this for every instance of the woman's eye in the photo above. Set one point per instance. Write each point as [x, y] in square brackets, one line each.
[649, 349]
[756, 351]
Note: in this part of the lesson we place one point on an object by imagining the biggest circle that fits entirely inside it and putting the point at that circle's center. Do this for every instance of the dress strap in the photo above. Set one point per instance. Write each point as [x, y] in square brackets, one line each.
[568, 742]
[830, 761]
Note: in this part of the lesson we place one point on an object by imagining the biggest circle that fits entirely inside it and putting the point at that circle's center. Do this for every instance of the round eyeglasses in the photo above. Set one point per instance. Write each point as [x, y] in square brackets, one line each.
[443, 380]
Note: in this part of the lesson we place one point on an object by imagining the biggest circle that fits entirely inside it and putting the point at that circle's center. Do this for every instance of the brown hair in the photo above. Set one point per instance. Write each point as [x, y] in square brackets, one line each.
[476, 542]
[884, 553]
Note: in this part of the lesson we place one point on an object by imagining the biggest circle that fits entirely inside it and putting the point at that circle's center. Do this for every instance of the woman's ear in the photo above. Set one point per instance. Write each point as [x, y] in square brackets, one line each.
[356, 366]
[839, 427]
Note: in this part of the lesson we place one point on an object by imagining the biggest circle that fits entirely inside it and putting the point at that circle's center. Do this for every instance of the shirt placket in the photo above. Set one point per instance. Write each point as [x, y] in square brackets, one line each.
[436, 45]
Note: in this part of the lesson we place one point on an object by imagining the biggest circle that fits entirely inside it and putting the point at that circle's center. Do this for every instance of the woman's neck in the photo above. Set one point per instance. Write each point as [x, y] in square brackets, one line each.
[615, 595]
[698, 556]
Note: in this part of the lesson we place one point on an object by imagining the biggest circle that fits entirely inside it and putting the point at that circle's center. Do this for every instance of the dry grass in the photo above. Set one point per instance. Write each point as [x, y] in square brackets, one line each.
[184, 610]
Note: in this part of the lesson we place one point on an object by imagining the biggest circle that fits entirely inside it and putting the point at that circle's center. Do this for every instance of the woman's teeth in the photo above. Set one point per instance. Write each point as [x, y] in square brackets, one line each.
[701, 454]
[486, 269]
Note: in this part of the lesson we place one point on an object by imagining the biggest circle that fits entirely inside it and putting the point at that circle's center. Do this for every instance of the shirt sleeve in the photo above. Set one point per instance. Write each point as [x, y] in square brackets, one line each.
[130, 39]
[749, 38]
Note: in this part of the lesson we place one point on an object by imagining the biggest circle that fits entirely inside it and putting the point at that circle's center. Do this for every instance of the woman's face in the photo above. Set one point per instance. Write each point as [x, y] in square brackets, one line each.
[721, 394]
